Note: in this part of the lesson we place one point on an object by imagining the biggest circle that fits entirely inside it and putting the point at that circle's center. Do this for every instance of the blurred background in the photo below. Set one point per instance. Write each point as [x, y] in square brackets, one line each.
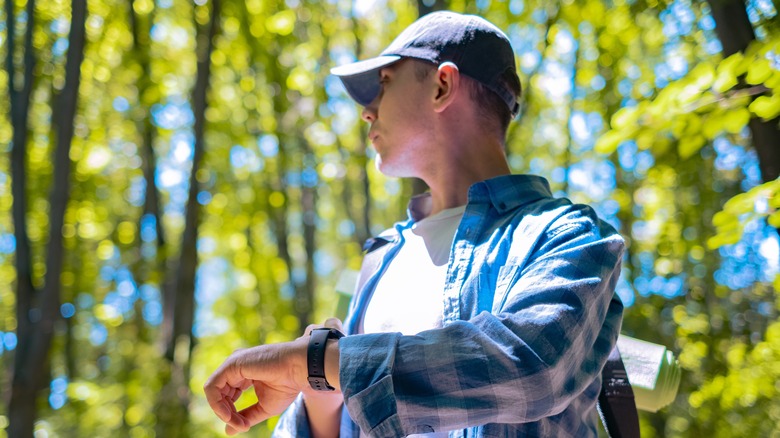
[179, 180]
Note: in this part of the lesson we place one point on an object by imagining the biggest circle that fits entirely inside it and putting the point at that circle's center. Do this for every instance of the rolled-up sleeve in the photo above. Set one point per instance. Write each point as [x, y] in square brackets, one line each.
[547, 343]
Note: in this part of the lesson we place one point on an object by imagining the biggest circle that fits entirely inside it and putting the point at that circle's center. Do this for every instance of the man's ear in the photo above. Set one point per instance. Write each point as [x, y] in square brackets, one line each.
[447, 85]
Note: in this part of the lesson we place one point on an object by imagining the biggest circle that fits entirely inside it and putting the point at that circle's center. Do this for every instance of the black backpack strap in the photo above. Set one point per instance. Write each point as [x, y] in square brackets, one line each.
[616, 400]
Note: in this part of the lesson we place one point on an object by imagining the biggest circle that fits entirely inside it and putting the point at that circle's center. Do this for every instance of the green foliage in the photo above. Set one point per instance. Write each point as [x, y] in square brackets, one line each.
[704, 104]
[760, 202]
[289, 191]
[749, 386]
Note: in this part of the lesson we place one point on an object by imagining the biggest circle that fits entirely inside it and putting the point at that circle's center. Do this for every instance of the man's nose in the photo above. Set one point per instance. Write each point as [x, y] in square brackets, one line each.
[369, 111]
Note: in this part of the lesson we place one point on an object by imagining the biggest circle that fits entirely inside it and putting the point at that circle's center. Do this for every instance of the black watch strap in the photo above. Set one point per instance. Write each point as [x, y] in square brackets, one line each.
[316, 357]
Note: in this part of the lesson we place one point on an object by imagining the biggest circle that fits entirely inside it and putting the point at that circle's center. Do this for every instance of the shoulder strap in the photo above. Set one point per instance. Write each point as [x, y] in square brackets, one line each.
[616, 400]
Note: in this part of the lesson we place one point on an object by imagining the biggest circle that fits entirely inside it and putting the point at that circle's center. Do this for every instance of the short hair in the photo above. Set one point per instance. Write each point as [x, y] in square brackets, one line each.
[495, 111]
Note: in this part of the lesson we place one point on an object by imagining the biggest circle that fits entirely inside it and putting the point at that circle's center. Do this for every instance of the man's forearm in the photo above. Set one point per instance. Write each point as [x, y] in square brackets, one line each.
[324, 414]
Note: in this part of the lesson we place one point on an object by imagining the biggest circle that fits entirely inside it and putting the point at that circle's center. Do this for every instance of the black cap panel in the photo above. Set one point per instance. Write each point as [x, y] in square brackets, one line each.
[479, 49]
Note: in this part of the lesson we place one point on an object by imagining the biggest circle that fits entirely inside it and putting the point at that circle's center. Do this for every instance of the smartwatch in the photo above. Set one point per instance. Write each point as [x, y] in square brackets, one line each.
[316, 357]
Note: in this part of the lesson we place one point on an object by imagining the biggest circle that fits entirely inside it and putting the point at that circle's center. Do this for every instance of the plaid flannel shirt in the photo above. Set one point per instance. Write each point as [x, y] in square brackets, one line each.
[530, 317]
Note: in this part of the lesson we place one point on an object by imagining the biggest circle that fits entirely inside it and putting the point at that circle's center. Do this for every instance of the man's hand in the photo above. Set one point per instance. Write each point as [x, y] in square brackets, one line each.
[277, 372]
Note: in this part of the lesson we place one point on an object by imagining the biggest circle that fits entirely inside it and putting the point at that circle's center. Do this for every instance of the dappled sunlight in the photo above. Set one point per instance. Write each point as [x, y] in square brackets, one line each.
[628, 106]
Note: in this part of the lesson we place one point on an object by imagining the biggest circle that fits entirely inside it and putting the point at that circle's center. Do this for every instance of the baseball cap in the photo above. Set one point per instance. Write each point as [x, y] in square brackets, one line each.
[479, 49]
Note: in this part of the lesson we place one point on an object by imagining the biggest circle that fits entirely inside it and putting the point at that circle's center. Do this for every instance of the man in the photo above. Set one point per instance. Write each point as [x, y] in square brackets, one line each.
[492, 309]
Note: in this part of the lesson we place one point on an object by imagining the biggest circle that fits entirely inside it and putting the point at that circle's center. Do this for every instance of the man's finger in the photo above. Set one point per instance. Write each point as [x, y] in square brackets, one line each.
[229, 430]
[235, 394]
[334, 323]
[254, 414]
[224, 383]
[237, 424]
[250, 416]
[217, 402]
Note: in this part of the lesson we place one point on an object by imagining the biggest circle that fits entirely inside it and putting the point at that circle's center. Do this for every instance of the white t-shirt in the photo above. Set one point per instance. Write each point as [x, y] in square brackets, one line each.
[409, 296]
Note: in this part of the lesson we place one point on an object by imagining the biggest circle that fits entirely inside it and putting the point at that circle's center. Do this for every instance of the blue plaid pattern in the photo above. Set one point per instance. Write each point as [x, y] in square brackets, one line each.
[530, 316]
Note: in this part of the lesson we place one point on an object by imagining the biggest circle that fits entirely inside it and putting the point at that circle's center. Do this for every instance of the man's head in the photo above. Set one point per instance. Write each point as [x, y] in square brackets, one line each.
[481, 52]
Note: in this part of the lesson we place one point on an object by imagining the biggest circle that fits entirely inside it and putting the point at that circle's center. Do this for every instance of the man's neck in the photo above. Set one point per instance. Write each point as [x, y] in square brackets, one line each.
[449, 182]
[466, 151]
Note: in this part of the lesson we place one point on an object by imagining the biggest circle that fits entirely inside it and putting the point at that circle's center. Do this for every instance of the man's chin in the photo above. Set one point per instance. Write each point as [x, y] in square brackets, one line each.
[388, 170]
[384, 168]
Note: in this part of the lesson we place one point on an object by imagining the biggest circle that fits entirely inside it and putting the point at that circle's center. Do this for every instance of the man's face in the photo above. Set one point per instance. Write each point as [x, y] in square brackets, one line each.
[399, 119]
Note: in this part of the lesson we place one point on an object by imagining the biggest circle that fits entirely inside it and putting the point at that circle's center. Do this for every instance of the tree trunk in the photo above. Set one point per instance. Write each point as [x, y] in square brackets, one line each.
[141, 39]
[174, 397]
[35, 334]
[188, 260]
[301, 300]
[359, 215]
[20, 101]
[736, 33]
[309, 206]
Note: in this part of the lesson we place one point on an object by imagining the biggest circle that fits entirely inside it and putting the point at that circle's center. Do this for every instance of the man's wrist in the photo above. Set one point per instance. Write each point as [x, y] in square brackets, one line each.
[323, 358]
[332, 356]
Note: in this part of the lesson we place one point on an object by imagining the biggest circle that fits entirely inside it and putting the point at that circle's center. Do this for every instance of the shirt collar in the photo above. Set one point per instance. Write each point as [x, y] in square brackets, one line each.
[505, 193]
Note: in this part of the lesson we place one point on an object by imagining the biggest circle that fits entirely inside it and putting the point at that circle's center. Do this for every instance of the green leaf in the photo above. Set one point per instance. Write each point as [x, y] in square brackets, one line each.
[733, 64]
[721, 218]
[773, 81]
[735, 120]
[758, 71]
[774, 219]
[724, 82]
[625, 117]
[646, 138]
[774, 200]
[607, 143]
[739, 204]
[693, 125]
[727, 72]
[703, 75]
[766, 107]
[661, 145]
[679, 125]
[732, 237]
[712, 126]
[715, 242]
[690, 145]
